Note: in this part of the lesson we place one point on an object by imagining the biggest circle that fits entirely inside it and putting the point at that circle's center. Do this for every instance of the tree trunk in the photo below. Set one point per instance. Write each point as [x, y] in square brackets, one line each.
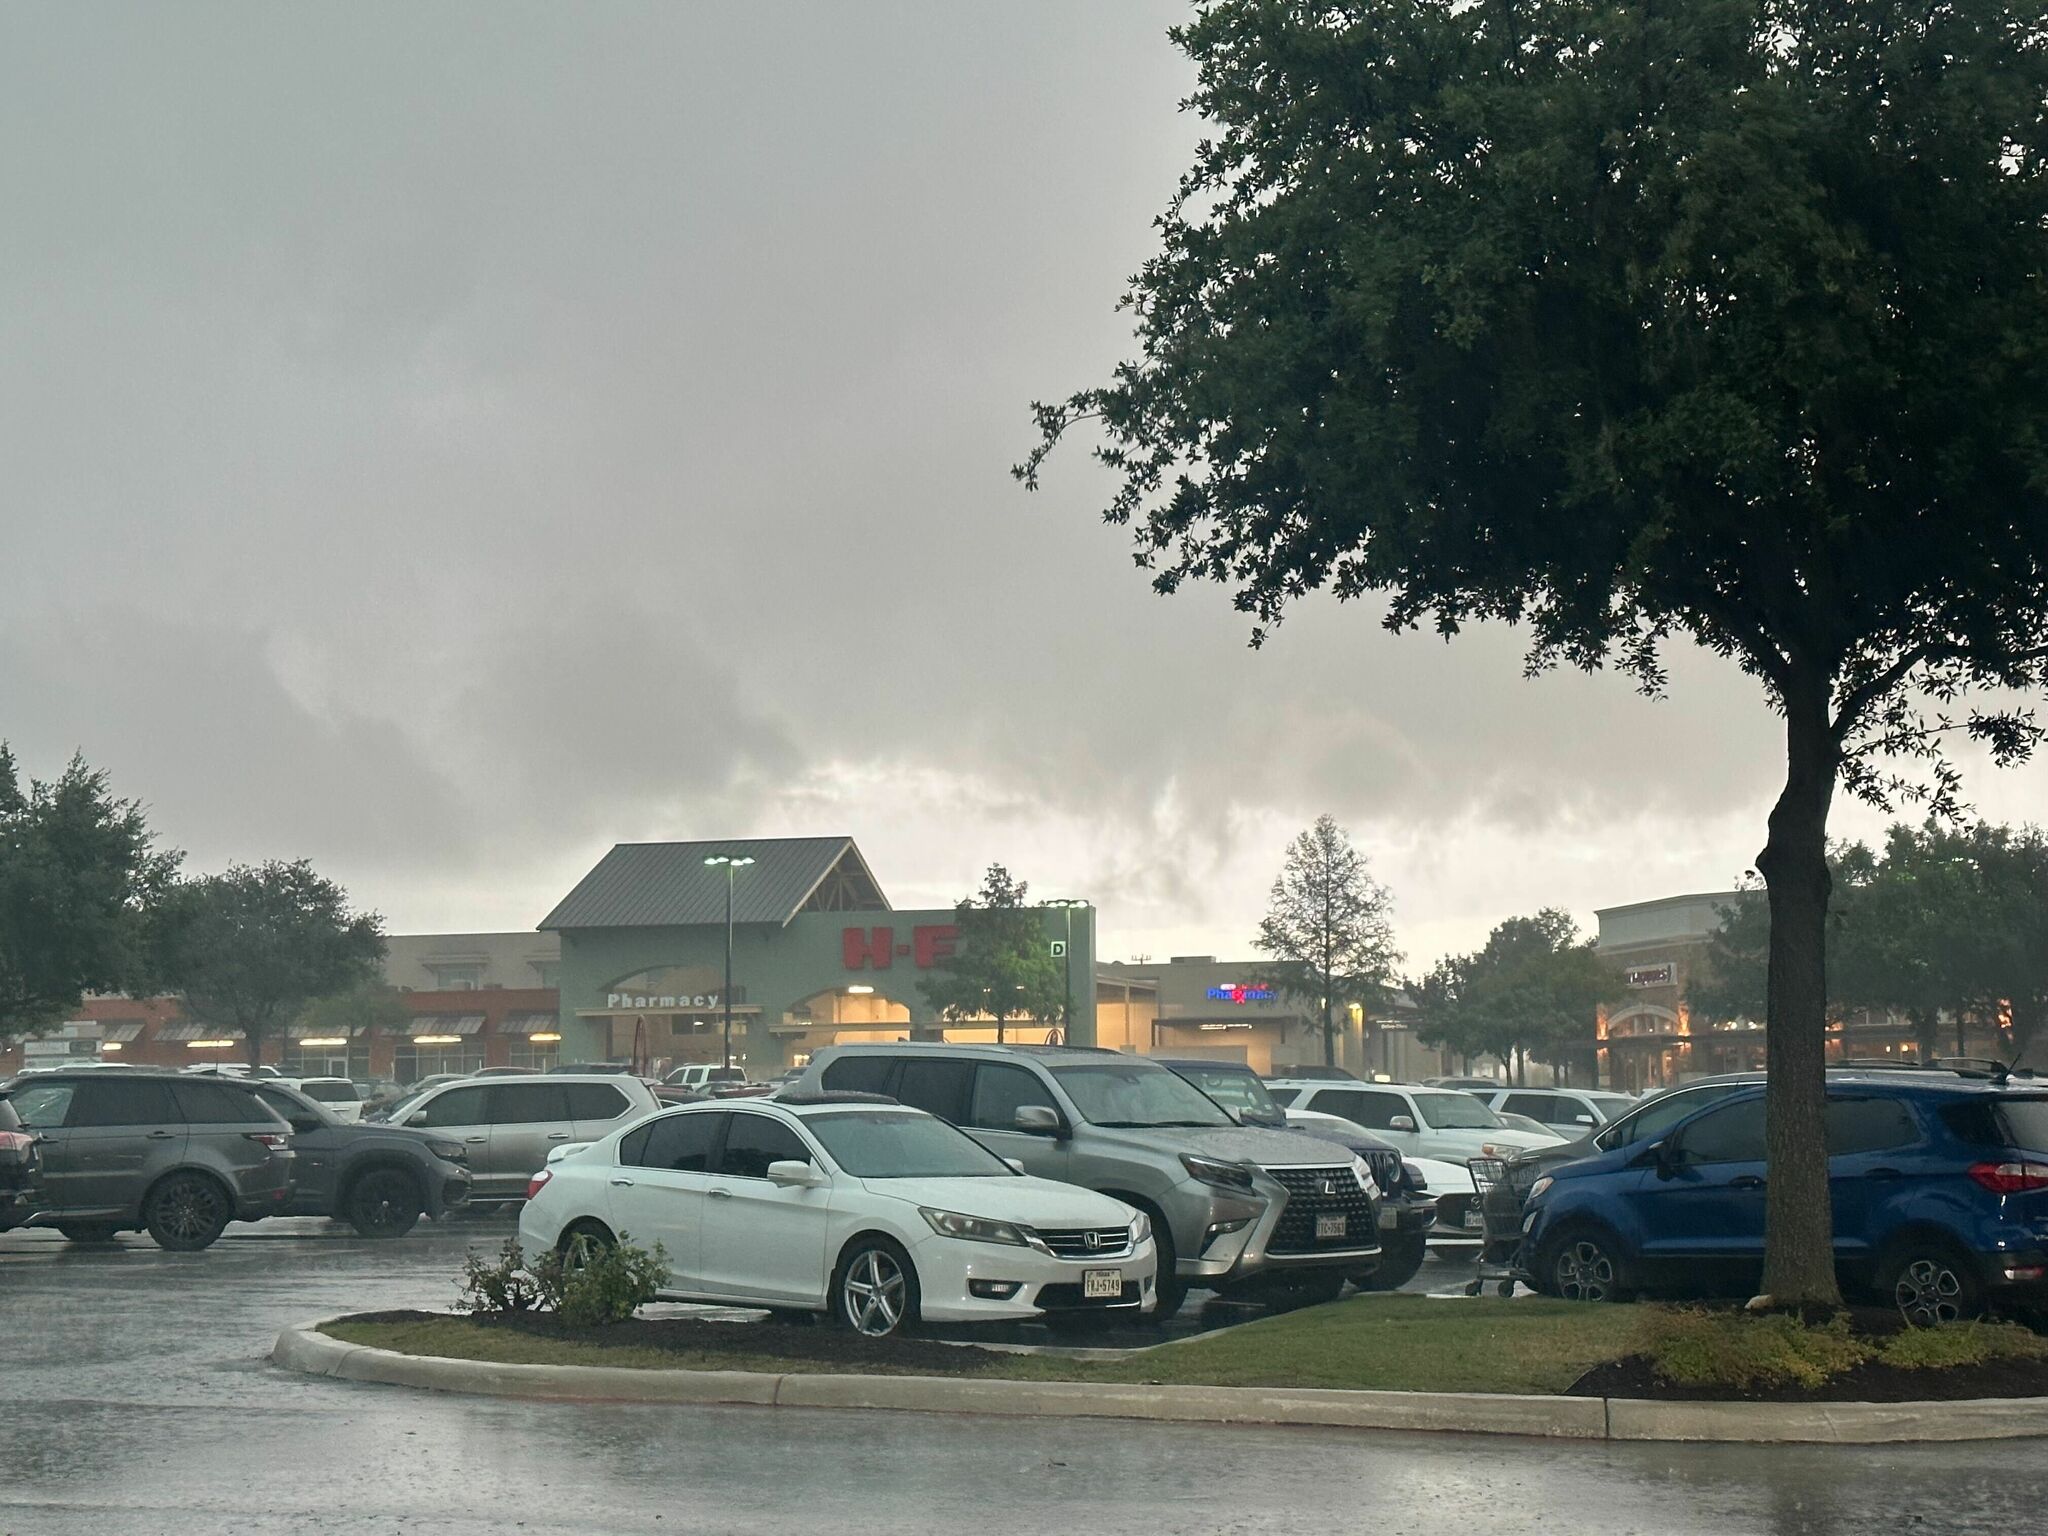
[1924, 1036]
[252, 1037]
[1329, 1023]
[1799, 1261]
[1962, 1033]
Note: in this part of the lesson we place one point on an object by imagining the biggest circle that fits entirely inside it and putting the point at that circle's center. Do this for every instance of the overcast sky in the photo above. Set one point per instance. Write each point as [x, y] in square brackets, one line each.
[444, 441]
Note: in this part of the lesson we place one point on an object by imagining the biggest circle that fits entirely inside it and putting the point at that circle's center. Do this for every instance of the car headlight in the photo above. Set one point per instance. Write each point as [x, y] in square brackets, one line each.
[1141, 1229]
[1537, 1189]
[974, 1229]
[1496, 1149]
[1416, 1181]
[1361, 1170]
[1218, 1175]
[449, 1151]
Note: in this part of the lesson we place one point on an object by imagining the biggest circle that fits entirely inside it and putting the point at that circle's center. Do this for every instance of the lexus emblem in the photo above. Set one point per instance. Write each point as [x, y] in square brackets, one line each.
[1329, 1186]
[1091, 1240]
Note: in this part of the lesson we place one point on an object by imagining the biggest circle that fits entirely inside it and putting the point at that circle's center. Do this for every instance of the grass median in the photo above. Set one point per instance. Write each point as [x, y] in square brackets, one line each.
[1392, 1343]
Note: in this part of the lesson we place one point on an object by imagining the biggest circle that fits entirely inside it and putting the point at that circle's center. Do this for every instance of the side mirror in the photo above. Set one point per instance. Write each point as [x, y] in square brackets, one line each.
[1038, 1120]
[306, 1125]
[1667, 1157]
[1583, 1119]
[417, 1117]
[1014, 1165]
[794, 1173]
[1401, 1123]
[566, 1149]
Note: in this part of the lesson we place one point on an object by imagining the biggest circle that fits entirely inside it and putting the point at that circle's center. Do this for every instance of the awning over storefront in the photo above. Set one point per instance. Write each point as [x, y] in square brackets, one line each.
[120, 1032]
[300, 1030]
[446, 1024]
[192, 1029]
[529, 1023]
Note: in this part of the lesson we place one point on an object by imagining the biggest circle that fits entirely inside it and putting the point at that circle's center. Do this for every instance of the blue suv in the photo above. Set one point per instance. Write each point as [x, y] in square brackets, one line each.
[1940, 1202]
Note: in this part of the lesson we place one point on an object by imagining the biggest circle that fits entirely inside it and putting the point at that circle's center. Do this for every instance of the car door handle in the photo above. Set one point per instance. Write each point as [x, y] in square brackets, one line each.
[161, 1135]
[476, 1141]
[721, 1194]
[622, 1183]
[558, 1135]
[1747, 1181]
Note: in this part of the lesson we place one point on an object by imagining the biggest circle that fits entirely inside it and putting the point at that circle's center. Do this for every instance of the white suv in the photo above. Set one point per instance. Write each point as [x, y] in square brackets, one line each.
[1572, 1112]
[1442, 1123]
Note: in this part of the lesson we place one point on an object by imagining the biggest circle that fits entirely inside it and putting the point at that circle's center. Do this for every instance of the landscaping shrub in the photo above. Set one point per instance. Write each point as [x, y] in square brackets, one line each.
[1740, 1350]
[1962, 1344]
[608, 1286]
[611, 1284]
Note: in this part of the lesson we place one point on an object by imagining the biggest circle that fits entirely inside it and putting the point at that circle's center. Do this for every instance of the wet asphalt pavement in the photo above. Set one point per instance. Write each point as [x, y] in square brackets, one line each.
[135, 1397]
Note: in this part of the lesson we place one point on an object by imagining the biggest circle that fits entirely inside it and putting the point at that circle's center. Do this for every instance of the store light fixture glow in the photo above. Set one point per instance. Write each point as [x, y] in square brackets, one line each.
[545, 1037]
[327, 1041]
[437, 1039]
[110, 1045]
[211, 1045]
[858, 990]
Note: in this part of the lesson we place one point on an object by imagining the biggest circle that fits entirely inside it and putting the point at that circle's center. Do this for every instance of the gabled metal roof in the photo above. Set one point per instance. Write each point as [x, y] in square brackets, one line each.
[668, 885]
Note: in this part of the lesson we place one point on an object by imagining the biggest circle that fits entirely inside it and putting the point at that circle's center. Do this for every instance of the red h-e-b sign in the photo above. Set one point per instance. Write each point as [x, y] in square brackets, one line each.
[862, 948]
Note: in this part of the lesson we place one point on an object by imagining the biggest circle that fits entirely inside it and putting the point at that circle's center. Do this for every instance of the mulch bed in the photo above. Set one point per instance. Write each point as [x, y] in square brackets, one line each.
[771, 1338]
[1867, 1383]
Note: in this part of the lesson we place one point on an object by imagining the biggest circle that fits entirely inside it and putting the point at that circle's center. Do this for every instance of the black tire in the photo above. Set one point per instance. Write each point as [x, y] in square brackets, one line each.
[1585, 1264]
[874, 1289]
[1293, 1292]
[1931, 1283]
[88, 1231]
[1168, 1287]
[186, 1212]
[1400, 1261]
[581, 1241]
[385, 1202]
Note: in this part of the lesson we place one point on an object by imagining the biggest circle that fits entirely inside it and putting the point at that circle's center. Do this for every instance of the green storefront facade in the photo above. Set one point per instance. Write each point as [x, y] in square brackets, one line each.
[818, 957]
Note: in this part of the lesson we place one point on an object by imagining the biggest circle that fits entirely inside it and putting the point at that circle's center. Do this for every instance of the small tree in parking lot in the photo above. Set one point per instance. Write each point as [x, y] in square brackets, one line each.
[1004, 969]
[1326, 932]
[250, 948]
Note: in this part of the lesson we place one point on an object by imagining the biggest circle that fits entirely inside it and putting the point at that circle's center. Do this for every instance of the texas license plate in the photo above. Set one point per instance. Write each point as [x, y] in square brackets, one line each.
[1475, 1219]
[1102, 1284]
[1331, 1225]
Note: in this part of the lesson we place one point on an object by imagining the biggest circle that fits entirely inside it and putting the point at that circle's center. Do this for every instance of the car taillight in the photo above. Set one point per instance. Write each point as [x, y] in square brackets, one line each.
[2010, 1178]
[277, 1141]
[534, 1184]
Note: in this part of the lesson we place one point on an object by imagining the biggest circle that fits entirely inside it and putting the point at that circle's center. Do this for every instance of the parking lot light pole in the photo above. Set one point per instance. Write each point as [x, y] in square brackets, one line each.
[1068, 904]
[725, 997]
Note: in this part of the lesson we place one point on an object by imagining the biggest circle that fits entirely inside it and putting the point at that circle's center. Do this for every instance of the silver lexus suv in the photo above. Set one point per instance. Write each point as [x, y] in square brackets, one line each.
[1254, 1214]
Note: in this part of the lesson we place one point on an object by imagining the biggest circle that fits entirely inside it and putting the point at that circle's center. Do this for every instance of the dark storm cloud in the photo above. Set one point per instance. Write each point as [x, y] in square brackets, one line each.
[445, 440]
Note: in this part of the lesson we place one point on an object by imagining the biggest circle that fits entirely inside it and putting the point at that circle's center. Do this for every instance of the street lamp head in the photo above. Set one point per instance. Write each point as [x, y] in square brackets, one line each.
[728, 859]
[1065, 901]
[740, 863]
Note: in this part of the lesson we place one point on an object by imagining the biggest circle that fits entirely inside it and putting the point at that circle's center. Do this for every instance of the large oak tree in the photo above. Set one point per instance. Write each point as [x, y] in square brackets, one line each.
[1719, 319]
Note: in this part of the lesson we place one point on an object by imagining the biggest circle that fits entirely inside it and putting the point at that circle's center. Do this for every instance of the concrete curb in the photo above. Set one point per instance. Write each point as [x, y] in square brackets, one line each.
[304, 1348]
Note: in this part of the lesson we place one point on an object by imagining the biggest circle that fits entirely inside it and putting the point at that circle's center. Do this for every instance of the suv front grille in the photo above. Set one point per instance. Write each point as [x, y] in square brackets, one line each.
[1313, 1192]
[1385, 1164]
[1073, 1242]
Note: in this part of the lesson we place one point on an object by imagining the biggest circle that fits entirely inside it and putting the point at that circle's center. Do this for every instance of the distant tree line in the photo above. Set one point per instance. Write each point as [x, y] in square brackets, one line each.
[1941, 923]
[89, 905]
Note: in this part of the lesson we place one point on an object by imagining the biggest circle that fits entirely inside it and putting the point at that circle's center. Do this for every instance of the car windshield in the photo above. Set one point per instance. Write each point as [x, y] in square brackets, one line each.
[400, 1105]
[1137, 1095]
[902, 1144]
[328, 1090]
[1610, 1106]
[1455, 1112]
[1240, 1090]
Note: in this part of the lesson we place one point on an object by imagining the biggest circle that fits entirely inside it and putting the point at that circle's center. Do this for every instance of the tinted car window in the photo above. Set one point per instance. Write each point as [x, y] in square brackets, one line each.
[218, 1104]
[1547, 1107]
[1655, 1118]
[458, 1106]
[937, 1087]
[2019, 1124]
[752, 1142]
[633, 1145]
[1869, 1125]
[595, 1101]
[287, 1106]
[329, 1090]
[1285, 1096]
[1000, 1091]
[1732, 1134]
[43, 1104]
[131, 1101]
[528, 1103]
[1374, 1111]
[860, 1074]
[681, 1143]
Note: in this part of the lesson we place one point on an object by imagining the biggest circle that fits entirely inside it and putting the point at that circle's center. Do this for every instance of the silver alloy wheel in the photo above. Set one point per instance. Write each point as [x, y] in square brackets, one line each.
[1584, 1271]
[1929, 1292]
[580, 1252]
[873, 1293]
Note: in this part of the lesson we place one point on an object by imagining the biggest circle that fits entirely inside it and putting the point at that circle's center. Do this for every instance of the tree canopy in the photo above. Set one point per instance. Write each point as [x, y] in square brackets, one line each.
[1004, 968]
[250, 948]
[1326, 933]
[1622, 320]
[78, 873]
[1532, 991]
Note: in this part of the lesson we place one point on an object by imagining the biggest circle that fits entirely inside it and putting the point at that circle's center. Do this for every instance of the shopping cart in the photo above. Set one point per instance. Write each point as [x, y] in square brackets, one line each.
[1501, 1196]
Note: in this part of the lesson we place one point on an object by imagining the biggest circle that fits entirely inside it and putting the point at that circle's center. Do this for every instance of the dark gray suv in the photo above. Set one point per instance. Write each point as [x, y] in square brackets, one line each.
[380, 1179]
[179, 1155]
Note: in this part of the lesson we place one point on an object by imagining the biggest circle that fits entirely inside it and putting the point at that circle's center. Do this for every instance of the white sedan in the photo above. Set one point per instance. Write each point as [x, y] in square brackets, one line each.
[875, 1213]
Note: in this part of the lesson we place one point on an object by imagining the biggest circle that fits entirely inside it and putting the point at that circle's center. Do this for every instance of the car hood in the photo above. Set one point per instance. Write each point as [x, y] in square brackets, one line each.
[1336, 1128]
[1229, 1144]
[1501, 1136]
[1444, 1178]
[1034, 1202]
